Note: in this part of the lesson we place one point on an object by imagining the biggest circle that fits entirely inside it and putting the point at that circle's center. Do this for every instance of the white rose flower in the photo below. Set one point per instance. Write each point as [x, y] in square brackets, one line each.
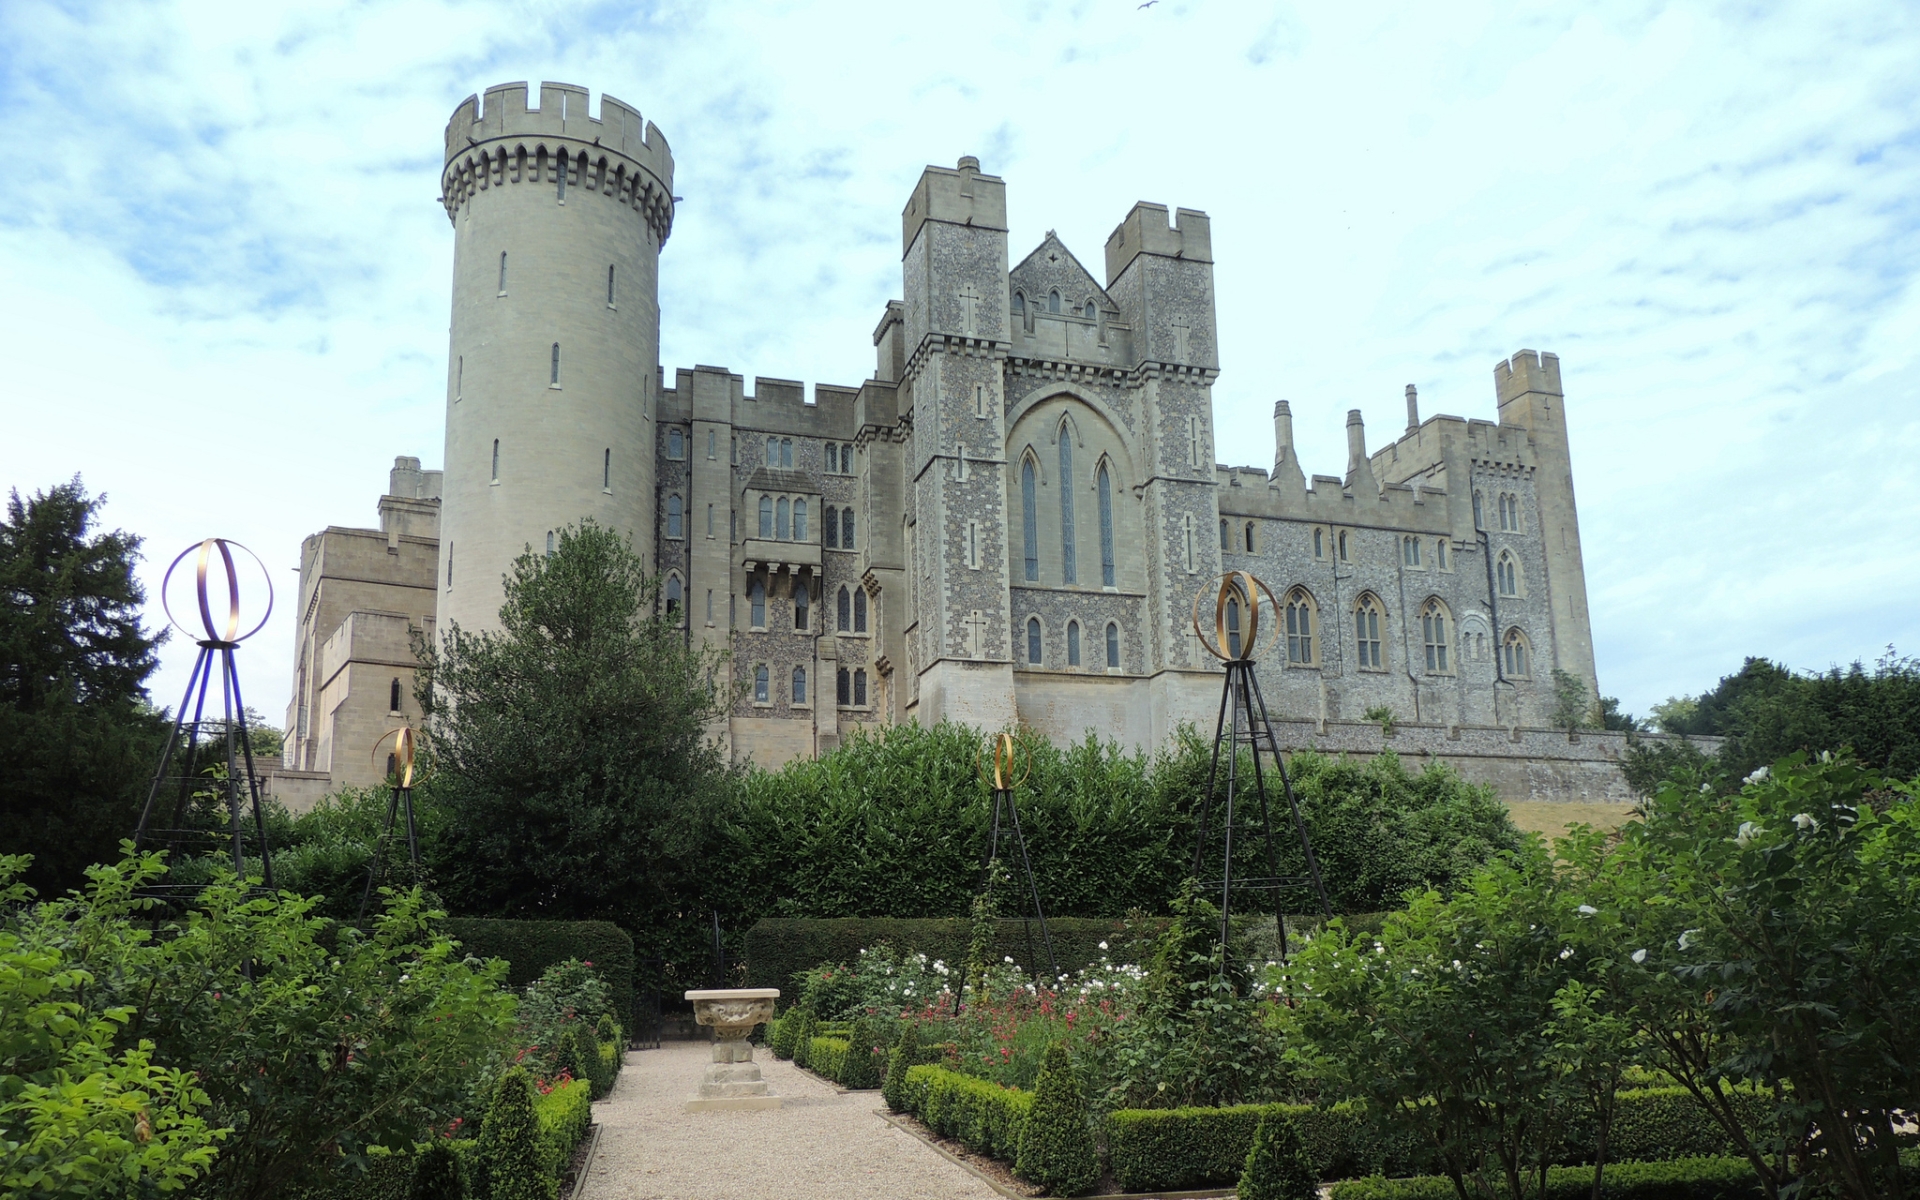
[1759, 774]
[1639, 956]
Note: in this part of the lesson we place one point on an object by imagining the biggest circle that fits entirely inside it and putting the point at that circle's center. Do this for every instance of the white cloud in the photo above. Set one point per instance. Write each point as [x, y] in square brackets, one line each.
[226, 272]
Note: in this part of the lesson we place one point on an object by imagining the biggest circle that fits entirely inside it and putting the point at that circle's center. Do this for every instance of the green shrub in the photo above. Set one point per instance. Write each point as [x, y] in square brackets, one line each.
[437, 1175]
[905, 1050]
[866, 1057]
[1679, 1179]
[826, 1056]
[607, 1064]
[565, 1113]
[1277, 1166]
[780, 1033]
[512, 1151]
[530, 947]
[574, 1058]
[1668, 1123]
[803, 1037]
[779, 948]
[1056, 1142]
[987, 1116]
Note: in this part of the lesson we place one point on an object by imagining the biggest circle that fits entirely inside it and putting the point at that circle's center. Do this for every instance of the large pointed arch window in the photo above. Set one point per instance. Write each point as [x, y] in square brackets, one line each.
[1073, 643]
[846, 528]
[1300, 623]
[859, 610]
[1033, 640]
[1067, 572]
[845, 610]
[1030, 520]
[1366, 631]
[1506, 573]
[1105, 482]
[780, 519]
[1435, 631]
[1113, 646]
[766, 516]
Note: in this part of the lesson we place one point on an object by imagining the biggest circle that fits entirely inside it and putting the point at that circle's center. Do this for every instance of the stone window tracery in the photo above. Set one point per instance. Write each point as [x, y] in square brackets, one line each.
[1434, 629]
[1506, 572]
[1517, 653]
[1107, 571]
[1068, 572]
[845, 607]
[830, 524]
[1366, 631]
[1301, 617]
[859, 610]
[1030, 520]
[859, 687]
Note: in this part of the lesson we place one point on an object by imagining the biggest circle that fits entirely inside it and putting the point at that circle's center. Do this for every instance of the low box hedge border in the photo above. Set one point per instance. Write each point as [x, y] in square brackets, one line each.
[1711, 1178]
[986, 1117]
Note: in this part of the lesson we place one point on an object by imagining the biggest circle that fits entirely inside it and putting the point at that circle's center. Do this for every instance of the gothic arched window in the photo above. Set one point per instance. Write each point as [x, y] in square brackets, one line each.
[1033, 640]
[1090, 310]
[1249, 537]
[1366, 630]
[676, 442]
[1440, 554]
[760, 684]
[1479, 522]
[766, 516]
[799, 520]
[1030, 520]
[1019, 305]
[676, 517]
[799, 685]
[1233, 623]
[859, 610]
[845, 607]
[1053, 302]
[1106, 528]
[1300, 622]
[674, 595]
[1410, 551]
[1226, 537]
[786, 452]
[1073, 643]
[1434, 635]
[1319, 543]
[757, 604]
[846, 528]
[843, 687]
[780, 510]
[802, 598]
[393, 696]
[1113, 646]
[833, 458]
[830, 526]
[496, 460]
[859, 688]
[1067, 571]
[1517, 655]
[1506, 573]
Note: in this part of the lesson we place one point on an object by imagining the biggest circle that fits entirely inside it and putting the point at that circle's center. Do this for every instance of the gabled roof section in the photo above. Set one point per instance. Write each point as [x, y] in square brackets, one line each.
[1052, 265]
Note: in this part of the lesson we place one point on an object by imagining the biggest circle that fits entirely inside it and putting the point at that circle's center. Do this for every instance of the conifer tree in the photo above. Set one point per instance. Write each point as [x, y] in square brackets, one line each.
[906, 1052]
[1277, 1166]
[516, 1162]
[1056, 1145]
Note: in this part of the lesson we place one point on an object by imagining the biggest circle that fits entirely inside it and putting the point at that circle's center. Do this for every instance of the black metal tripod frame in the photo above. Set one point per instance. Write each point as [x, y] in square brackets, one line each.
[1240, 693]
[1003, 799]
[398, 798]
[239, 751]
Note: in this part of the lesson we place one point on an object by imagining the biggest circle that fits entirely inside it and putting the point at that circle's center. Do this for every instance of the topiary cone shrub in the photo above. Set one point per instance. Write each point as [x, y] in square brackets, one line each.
[906, 1052]
[866, 1059]
[510, 1149]
[1056, 1145]
[780, 1034]
[1277, 1165]
[573, 1057]
[436, 1175]
[804, 1025]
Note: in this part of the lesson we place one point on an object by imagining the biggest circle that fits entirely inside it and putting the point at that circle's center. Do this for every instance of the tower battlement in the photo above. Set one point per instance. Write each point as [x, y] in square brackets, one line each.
[1147, 230]
[1527, 371]
[962, 195]
[501, 140]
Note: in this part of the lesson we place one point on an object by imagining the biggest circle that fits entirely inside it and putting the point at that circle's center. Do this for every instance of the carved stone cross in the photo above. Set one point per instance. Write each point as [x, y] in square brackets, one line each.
[976, 634]
[969, 299]
[1180, 342]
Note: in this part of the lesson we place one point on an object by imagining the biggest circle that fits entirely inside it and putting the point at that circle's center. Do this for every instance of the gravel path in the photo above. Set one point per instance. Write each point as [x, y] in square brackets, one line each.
[820, 1143]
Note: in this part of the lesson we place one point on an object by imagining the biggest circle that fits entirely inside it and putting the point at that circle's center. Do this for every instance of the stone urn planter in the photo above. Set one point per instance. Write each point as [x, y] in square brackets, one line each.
[733, 1081]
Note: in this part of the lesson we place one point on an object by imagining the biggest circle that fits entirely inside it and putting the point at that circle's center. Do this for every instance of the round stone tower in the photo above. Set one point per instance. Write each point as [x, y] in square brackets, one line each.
[558, 220]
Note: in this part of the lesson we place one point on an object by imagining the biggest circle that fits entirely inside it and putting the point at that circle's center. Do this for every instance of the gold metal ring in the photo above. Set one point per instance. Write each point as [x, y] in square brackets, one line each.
[1006, 757]
[207, 549]
[403, 751]
[1245, 587]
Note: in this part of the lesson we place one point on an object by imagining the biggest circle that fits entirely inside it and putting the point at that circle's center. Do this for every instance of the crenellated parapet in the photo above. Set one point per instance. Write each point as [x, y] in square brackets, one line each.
[501, 141]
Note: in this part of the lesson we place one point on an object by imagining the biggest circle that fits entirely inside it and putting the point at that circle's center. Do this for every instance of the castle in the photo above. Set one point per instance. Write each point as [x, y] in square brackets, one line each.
[1007, 522]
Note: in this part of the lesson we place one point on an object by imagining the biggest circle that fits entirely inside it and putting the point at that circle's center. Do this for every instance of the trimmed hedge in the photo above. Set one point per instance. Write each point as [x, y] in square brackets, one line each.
[780, 947]
[565, 1113]
[827, 1056]
[986, 1116]
[530, 947]
[1680, 1179]
[1185, 1148]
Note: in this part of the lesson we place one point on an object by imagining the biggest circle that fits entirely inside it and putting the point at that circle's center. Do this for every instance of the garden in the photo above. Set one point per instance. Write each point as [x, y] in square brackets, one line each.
[1718, 1000]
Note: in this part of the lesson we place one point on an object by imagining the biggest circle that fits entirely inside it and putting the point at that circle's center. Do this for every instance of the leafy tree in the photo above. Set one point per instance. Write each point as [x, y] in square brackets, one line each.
[1570, 708]
[576, 774]
[1775, 944]
[313, 1042]
[78, 1117]
[1607, 715]
[1449, 1027]
[78, 741]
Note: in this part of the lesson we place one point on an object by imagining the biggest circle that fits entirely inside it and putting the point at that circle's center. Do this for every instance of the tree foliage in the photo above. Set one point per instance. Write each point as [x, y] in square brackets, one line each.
[77, 738]
[575, 774]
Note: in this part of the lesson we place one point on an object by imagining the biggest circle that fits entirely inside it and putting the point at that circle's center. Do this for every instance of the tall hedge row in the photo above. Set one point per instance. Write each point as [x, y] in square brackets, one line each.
[530, 947]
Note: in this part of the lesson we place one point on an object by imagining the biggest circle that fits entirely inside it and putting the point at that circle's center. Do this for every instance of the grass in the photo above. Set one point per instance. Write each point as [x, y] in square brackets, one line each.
[1552, 817]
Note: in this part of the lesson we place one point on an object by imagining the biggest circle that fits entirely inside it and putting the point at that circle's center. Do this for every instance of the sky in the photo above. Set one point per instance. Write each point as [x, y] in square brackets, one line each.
[224, 275]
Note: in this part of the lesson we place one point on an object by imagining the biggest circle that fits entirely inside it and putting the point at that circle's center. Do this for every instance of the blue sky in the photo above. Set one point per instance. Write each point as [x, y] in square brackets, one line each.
[225, 273]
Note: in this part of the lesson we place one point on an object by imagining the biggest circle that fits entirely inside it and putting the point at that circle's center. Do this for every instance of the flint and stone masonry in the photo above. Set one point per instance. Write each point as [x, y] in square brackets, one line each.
[1006, 523]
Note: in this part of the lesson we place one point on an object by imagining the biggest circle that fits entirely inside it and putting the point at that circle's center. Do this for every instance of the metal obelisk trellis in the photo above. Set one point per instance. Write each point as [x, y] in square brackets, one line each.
[1244, 721]
[241, 782]
[399, 796]
[1005, 759]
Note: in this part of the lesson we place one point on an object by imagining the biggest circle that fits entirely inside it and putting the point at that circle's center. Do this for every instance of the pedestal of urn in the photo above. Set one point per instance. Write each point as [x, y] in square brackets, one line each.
[733, 1080]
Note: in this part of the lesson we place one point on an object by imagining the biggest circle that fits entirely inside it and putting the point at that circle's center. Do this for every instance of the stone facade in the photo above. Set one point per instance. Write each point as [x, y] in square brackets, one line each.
[1008, 522]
